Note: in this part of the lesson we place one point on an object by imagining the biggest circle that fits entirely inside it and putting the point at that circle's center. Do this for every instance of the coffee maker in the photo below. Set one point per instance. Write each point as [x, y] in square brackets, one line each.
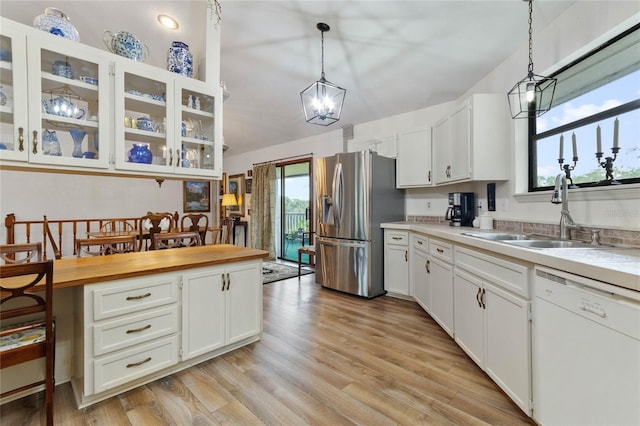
[461, 210]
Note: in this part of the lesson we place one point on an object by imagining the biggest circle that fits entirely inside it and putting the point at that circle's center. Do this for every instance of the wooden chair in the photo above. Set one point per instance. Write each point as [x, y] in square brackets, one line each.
[116, 227]
[26, 339]
[307, 249]
[47, 231]
[196, 223]
[226, 231]
[153, 223]
[106, 245]
[167, 240]
[21, 253]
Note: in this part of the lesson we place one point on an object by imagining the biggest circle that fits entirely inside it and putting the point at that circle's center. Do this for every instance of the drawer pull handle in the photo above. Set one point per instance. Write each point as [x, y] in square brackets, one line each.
[138, 330]
[478, 297]
[228, 281]
[35, 142]
[439, 250]
[482, 299]
[224, 282]
[135, 364]
[419, 242]
[427, 266]
[396, 238]
[142, 296]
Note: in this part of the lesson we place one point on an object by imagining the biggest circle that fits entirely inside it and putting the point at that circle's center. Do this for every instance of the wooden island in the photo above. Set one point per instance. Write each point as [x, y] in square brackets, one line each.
[128, 319]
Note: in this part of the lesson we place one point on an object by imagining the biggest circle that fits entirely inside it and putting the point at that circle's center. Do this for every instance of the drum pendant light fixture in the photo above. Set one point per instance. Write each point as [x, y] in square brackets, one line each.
[531, 96]
[322, 101]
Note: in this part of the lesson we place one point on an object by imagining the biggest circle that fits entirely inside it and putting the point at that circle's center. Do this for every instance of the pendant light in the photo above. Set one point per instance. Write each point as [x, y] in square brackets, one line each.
[322, 101]
[531, 96]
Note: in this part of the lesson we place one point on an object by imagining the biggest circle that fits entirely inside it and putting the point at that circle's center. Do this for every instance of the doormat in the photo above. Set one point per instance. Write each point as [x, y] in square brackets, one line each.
[273, 271]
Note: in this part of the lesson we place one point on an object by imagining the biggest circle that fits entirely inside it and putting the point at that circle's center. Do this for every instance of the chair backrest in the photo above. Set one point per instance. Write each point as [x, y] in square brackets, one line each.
[166, 240]
[195, 222]
[106, 245]
[153, 223]
[227, 231]
[10, 289]
[56, 251]
[117, 227]
[20, 253]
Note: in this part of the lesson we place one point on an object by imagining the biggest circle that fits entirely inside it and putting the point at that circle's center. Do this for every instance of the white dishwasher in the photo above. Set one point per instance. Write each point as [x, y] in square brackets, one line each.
[586, 351]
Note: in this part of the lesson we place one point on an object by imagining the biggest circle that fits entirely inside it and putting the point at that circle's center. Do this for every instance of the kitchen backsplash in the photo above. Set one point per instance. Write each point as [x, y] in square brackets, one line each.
[607, 236]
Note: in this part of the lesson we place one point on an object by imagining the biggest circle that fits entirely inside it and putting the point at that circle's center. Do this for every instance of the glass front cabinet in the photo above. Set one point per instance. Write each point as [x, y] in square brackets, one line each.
[64, 105]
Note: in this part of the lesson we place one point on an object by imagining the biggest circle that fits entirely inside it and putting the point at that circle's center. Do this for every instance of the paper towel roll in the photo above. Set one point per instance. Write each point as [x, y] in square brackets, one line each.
[486, 222]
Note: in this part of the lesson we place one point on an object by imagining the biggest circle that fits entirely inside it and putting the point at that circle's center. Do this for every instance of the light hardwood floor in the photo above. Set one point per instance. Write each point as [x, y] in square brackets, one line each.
[324, 358]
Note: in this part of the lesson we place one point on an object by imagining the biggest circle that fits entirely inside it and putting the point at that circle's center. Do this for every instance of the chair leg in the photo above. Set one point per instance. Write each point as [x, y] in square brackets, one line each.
[299, 262]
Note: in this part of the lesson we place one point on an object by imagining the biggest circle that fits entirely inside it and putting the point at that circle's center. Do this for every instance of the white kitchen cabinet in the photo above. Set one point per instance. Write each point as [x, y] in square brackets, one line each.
[396, 263]
[441, 279]
[384, 146]
[182, 139]
[220, 306]
[34, 87]
[413, 162]
[473, 143]
[492, 324]
[420, 270]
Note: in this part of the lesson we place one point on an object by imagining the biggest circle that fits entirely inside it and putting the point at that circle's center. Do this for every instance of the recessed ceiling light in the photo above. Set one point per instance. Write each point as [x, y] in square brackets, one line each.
[168, 22]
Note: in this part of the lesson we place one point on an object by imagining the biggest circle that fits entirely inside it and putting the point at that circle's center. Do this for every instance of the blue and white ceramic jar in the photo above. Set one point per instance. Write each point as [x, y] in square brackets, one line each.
[140, 154]
[179, 59]
[3, 97]
[56, 22]
[50, 143]
[126, 44]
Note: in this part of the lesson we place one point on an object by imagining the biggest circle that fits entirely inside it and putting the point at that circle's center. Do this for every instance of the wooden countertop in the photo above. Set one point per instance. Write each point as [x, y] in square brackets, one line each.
[75, 271]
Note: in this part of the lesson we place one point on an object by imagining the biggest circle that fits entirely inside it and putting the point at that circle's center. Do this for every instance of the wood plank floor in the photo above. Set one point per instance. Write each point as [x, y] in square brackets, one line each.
[324, 358]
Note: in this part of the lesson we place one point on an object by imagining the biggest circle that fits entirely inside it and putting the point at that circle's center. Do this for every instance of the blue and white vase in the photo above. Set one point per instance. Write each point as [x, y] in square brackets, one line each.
[179, 59]
[50, 143]
[126, 44]
[140, 154]
[78, 136]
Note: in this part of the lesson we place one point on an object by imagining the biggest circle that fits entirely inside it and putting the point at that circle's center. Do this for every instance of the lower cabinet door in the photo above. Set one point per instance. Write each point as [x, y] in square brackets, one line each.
[203, 312]
[469, 315]
[442, 294]
[508, 344]
[396, 269]
[243, 301]
[420, 278]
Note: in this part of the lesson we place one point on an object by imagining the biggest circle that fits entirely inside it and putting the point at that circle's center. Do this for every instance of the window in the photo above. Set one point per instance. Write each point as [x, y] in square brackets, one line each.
[600, 90]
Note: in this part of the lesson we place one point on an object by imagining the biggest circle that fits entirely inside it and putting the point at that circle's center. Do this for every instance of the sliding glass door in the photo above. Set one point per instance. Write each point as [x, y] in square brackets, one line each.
[293, 208]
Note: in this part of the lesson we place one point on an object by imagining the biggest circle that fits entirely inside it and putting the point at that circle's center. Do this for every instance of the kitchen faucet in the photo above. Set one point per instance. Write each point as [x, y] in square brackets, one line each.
[560, 196]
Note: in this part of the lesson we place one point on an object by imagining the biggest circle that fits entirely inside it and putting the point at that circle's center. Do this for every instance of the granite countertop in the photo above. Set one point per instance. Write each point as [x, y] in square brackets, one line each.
[612, 265]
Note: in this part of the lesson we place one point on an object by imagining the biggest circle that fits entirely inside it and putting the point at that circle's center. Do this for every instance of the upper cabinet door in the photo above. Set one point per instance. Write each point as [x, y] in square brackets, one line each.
[413, 163]
[68, 107]
[144, 120]
[198, 129]
[14, 125]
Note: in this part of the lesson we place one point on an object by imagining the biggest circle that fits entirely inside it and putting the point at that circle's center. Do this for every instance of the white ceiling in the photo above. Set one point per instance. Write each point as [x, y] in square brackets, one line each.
[391, 56]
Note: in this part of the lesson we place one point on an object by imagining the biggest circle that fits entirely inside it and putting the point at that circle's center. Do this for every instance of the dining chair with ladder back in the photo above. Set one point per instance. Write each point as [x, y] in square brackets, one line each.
[27, 329]
[309, 249]
[20, 253]
[168, 240]
[153, 223]
[115, 227]
[197, 223]
[106, 245]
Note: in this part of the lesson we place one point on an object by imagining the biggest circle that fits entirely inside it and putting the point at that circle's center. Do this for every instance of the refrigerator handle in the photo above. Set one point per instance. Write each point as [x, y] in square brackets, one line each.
[337, 194]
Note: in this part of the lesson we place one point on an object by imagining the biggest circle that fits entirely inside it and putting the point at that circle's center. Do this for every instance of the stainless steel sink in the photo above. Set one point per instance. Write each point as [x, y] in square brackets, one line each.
[499, 236]
[542, 244]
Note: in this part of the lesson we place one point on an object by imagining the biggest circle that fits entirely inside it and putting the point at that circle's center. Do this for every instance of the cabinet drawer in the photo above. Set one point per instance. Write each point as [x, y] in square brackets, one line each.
[124, 297]
[420, 243]
[134, 329]
[396, 238]
[123, 367]
[508, 275]
[441, 250]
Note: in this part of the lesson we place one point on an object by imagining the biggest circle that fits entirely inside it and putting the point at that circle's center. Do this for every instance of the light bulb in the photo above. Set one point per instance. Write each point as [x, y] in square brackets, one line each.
[531, 92]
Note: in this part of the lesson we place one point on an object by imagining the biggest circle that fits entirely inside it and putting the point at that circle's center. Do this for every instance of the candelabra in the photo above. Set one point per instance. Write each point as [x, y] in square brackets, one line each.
[568, 167]
[607, 164]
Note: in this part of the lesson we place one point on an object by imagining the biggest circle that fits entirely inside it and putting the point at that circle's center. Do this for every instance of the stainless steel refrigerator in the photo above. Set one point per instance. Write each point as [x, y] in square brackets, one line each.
[355, 192]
